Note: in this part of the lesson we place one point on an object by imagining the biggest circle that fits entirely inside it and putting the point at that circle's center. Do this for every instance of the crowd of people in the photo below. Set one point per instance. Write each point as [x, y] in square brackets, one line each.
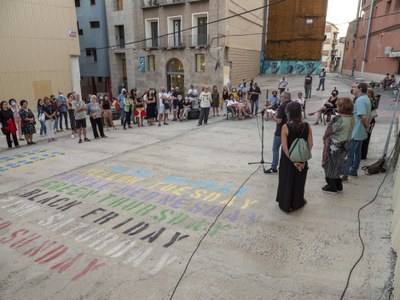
[133, 107]
[345, 139]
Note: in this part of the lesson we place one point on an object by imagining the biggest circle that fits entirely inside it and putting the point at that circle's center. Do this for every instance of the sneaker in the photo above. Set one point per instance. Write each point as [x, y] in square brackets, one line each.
[345, 178]
[80, 141]
[86, 140]
[328, 189]
[104, 136]
[271, 171]
[72, 136]
[353, 174]
[53, 139]
[165, 123]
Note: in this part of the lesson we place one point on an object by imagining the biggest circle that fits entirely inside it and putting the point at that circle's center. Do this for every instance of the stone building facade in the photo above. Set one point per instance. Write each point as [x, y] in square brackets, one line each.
[179, 42]
[330, 58]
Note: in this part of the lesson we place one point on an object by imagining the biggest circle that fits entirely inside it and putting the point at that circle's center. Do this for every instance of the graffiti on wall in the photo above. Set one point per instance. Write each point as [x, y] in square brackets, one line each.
[291, 67]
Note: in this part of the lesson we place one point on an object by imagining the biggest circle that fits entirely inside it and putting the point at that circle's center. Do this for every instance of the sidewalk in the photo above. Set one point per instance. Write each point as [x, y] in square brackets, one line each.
[119, 218]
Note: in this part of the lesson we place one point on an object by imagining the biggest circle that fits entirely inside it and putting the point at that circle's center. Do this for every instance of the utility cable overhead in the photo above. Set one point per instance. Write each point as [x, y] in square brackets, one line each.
[196, 26]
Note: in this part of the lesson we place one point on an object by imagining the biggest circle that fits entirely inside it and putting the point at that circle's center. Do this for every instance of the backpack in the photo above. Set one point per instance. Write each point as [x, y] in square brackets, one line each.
[117, 106]
[299, 151]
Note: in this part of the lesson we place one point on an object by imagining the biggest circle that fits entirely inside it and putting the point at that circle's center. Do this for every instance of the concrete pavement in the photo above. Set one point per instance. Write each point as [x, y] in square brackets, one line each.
[119, 218]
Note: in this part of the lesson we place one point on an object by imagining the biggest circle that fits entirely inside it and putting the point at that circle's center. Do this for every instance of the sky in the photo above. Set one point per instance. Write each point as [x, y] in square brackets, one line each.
[342, 11]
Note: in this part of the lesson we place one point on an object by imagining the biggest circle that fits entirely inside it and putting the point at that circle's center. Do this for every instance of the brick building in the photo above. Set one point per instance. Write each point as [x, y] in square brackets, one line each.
[372, 46]
[295, 34]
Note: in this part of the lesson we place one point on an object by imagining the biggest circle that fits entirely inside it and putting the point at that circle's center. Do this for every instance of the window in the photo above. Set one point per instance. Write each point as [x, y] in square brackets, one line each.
[388, 4]
[200, 30]
[175, 31]
[151, 63]
[118, 5]
[94, 24]
[154, 34]
[91, 52]
[100, 79]
[151, 29]
[77, 3]
[92, 2]
[80, 31]
[397, 5]
[200, 62]
[120, 35]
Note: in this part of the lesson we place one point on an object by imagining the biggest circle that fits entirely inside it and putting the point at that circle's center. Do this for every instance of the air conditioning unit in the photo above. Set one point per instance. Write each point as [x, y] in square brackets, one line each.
[388, 50]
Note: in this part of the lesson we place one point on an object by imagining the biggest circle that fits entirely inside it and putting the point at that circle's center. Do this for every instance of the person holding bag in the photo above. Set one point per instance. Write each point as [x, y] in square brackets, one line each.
[293, 174]
[336, 145]
[8, 126]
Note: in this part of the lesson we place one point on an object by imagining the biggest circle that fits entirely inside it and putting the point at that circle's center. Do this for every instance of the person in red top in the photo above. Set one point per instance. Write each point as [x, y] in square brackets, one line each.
[8, 124]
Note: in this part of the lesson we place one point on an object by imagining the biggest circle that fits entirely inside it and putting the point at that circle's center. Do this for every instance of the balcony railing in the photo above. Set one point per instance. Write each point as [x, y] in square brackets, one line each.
[150, 3]
[199, 41]
[171, 2]
[120, 43]
[153, 43]
[176, 42]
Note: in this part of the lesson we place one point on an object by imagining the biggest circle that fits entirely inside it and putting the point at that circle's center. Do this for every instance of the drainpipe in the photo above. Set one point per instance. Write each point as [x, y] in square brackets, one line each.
[367, 38]
[264, 33]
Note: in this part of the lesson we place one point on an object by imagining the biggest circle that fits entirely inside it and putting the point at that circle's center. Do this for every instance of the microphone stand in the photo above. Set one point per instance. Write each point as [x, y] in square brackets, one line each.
[262, 162]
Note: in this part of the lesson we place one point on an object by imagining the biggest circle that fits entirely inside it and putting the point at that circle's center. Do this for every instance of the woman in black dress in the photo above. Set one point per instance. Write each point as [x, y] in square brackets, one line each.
[8, 126]
[28, 122]
[292, 175]
[151, 101]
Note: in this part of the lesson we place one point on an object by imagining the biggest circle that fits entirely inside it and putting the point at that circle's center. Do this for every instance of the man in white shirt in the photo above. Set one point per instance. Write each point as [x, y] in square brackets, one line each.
[162, 111]
[192, 95]
[205, 103]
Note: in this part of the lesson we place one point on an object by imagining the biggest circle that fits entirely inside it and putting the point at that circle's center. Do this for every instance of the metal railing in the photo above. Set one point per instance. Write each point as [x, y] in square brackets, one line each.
[120, 42]
[199, 40]
[171, 2]
[150, 3]
[173, 41]
[152, 43]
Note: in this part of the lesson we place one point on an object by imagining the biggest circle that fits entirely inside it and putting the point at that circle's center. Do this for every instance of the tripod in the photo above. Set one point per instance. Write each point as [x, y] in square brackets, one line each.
[262, 162]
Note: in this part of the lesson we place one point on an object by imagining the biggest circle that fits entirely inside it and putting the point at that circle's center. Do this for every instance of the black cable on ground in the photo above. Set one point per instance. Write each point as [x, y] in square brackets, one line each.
[208, 230]
[359, 225]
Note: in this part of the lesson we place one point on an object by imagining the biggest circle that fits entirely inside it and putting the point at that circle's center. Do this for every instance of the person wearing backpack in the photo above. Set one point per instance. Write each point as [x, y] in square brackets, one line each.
[336, 145]
[293, 171]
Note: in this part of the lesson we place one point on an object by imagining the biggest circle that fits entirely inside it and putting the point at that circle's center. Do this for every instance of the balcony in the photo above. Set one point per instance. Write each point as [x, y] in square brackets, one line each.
[120, 42]
[171, 2]
[150, 3]
[157, 3]
[190, 1]
[198, 41]
[152, 43]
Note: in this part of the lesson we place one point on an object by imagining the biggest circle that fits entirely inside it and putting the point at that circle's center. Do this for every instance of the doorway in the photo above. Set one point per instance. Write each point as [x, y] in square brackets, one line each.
[175, 74]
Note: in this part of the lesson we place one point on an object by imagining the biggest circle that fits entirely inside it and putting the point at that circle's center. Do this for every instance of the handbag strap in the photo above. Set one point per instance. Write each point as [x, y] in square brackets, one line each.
[296, 140]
